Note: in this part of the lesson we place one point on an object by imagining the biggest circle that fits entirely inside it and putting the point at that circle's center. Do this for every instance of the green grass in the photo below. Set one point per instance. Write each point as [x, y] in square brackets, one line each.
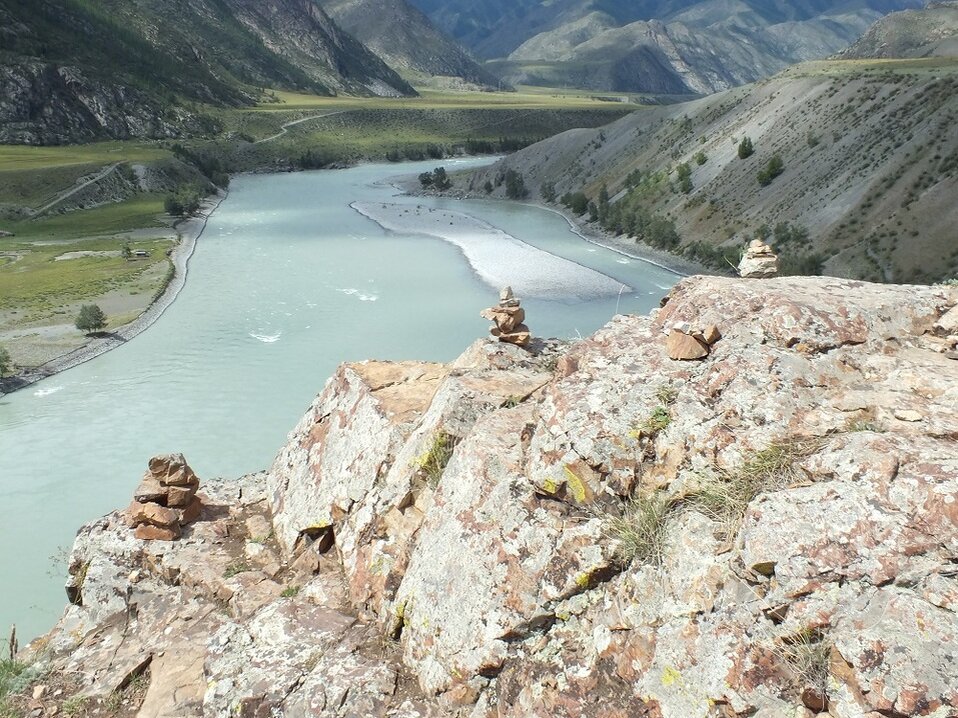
[36, 285]
[143, 211]
[524, 98]
[236, 568]
[290, 592]
[658, 421]
[23, 157]
[433, 462]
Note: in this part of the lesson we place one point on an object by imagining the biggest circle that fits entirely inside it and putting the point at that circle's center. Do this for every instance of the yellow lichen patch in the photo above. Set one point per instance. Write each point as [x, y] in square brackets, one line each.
[670, 676]
[550, 486]
[577, 488]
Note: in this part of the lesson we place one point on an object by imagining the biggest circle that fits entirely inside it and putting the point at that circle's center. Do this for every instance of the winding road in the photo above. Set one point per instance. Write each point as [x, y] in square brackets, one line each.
[69, 193]
[285, 128]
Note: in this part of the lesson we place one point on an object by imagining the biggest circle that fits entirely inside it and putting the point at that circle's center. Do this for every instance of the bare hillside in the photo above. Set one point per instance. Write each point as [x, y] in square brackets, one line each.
[859, 163]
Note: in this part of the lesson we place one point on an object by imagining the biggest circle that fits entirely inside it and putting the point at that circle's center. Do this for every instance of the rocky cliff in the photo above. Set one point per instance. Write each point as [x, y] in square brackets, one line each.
[592, 529]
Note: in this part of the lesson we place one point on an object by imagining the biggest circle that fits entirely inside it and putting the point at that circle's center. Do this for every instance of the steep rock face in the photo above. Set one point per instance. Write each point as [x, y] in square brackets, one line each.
[73, 72]
[42, 103]
[302, 32]
[601, 530]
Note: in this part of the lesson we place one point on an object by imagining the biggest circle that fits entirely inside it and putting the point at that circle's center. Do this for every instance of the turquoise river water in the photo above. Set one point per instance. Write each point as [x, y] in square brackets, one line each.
[287, 281]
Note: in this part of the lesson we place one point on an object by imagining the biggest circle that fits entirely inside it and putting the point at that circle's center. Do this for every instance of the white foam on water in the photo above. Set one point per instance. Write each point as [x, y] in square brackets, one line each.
[47, 391]
[360, 295]
[623, 260]
[497, 257]
[266, 338]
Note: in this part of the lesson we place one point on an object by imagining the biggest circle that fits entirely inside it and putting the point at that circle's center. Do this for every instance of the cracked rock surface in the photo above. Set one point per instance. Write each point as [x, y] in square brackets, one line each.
[587, 529]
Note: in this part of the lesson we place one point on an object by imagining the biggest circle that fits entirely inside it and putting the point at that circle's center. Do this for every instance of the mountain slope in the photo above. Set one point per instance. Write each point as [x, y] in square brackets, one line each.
[496, 28]
[676, 47]
[711, 46]
[404, 38]
[77, 70]
[870, 170]
[932, 31]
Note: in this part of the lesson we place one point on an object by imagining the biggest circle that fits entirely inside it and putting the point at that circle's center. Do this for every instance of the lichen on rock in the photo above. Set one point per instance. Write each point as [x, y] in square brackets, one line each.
[805, 531]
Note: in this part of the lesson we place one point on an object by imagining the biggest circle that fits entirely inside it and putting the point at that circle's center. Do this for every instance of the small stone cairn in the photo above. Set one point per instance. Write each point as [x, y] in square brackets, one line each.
[759, 262]
[687, 344]
[508, 317]
[166, 500]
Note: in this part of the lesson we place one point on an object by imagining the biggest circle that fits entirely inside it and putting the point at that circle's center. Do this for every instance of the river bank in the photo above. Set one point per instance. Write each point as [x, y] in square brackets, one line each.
[189, 231]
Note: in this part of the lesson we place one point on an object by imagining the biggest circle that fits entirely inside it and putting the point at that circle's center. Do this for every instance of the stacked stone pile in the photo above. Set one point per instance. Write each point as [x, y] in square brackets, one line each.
[687, 344]
[508, 317]
[166, 500]
[759, 262]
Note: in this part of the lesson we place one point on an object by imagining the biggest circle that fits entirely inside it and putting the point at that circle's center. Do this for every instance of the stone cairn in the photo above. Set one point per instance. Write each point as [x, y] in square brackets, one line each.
[508, 317]
[759, 262]
[166, 500]
[687, 344]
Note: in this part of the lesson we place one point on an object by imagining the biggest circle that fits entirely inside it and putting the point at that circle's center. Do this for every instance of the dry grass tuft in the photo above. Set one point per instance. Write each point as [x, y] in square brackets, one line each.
[641, 530]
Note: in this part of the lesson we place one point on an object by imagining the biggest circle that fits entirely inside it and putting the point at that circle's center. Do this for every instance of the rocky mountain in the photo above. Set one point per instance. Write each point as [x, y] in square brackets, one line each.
[932, 31]
[405, 39]
[657, 46]
[588, 529]
[852, 167]
[72, 70]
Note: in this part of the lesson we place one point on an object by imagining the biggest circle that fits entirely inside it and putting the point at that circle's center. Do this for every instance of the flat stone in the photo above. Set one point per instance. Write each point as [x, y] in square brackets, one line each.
[181, 496]
[145, 532]
[948, 322]
[153, 514]
[150, 490]
[258, 527]
[908, 415]
[711, 334]
[682, 347]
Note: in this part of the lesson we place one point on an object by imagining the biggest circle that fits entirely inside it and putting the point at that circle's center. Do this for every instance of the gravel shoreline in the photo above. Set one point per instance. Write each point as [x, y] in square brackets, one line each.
[189, 231]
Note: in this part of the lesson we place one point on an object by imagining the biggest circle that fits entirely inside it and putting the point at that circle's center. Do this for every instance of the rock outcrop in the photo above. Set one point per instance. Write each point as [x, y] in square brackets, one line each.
[585, 530]
[508, 317]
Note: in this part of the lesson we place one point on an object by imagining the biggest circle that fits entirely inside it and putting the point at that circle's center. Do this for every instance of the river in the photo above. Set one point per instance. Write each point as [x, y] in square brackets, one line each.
[287, 282]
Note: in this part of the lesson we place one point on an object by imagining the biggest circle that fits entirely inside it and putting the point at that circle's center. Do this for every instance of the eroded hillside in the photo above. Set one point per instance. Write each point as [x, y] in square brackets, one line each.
[858, 159]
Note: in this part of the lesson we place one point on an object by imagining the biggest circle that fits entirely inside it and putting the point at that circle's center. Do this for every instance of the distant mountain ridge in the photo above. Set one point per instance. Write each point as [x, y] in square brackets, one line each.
[406, 40]
[659, 46]
[74, 70]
